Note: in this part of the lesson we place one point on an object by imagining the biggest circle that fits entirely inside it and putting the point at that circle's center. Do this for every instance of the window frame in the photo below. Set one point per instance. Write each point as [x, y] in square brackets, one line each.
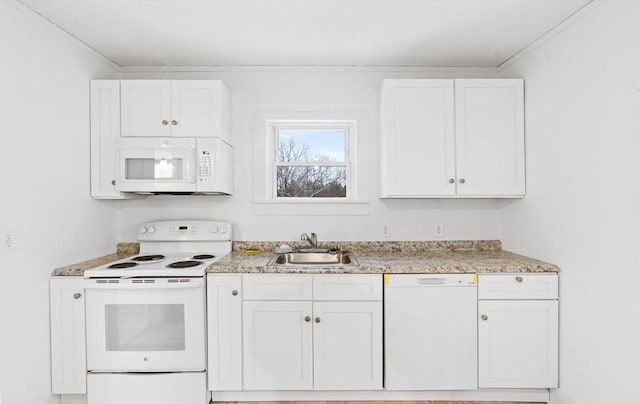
[346, 125]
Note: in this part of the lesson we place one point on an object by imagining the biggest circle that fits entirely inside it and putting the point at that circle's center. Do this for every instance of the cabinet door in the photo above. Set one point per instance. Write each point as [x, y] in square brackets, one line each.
[277, 345]
[198, 108]
[224, 320]
[518, 343]
[68, 356]
[490, 137]
[347, 338]
[105, 130]
[145, 107]
[417, 133]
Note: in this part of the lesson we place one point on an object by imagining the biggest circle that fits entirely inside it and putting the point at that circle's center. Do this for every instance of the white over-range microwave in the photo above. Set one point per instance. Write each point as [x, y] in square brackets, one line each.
[155, 165]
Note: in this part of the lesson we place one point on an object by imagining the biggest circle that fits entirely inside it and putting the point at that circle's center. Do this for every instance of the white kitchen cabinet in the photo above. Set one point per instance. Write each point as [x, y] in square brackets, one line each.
[68, 357]
[418, 139]
[105, 130]
[518, 338]
[490, 137]
[224, 319]
[347, 345]
[179, 108]
[452, 138]
[308, 332]
[278, 352]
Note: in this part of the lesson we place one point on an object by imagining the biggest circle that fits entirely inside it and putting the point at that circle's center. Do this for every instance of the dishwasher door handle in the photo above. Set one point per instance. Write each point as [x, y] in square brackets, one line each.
[431, 281]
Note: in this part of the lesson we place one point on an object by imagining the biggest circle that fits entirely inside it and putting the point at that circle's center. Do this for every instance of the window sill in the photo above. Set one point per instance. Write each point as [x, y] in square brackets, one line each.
[322, 207]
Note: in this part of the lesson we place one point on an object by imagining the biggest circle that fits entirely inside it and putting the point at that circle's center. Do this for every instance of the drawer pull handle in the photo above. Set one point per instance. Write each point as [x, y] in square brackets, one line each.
[484, 317]
[518, 278]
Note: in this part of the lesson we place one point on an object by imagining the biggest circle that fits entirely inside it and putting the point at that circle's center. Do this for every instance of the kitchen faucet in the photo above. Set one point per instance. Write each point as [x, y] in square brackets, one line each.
[313, 240]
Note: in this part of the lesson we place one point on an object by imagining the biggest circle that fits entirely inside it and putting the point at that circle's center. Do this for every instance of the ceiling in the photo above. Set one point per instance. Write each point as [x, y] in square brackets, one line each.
[434, 33]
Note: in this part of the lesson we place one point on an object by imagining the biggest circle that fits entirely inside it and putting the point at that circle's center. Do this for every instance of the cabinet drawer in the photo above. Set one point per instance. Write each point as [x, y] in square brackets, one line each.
[277, 287]
[517, 286]
[347, 287]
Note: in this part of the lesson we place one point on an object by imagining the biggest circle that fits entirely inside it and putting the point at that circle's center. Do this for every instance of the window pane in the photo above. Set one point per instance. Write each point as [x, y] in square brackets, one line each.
[311, 182]
[311, 145]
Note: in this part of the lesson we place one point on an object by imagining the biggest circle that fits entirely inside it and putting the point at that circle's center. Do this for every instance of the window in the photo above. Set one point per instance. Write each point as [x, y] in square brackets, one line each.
[311, 159]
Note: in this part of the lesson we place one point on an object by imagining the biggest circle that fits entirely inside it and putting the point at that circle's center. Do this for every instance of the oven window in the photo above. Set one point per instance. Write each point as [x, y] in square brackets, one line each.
[153, 169]
[144, 327]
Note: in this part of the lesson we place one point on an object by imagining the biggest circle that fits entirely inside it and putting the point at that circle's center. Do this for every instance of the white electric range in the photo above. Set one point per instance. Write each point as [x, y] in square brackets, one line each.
[172, 248]
[145, 316]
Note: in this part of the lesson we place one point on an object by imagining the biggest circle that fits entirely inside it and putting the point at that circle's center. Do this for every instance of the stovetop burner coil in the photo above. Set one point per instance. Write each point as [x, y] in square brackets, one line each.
[203, 257]
[148, 258]
[184, 264]
[122, 265]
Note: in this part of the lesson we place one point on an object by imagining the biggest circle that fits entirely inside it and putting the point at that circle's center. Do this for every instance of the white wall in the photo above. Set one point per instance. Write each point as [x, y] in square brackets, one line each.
[343, 91]
[582, 209]
[44, 188]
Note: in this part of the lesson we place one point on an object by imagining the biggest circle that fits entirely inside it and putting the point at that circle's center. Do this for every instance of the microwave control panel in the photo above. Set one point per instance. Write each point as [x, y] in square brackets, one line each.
[205, 166]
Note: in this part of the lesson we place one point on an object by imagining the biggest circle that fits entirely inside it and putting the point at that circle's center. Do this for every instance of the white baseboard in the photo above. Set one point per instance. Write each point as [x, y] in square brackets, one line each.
[522, 395]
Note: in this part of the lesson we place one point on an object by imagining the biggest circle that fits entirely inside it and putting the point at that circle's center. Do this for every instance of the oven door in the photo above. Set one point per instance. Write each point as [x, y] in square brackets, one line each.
[156, 165]
[145, 324]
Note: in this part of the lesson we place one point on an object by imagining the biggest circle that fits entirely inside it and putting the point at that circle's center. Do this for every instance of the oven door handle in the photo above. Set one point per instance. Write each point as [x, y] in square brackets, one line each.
[143, 286]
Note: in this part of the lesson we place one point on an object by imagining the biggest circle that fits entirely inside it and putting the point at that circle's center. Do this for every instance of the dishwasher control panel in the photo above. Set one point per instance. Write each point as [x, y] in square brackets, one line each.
[408, 280]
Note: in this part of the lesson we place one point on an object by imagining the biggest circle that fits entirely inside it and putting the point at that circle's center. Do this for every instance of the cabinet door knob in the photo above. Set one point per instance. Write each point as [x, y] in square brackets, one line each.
[484, 317]
[317, 319]
[77, 296]
[165, 122]
[307, 319]
[451, 180]
[518, 278]
[113, 182]
[174, 122]
[462, 181]
[234, 292]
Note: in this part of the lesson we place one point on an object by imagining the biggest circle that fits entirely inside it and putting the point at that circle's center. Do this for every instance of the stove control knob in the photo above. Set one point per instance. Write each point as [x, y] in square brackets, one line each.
[143, 230]
[223, 229]
[151, 229]
[214, 229]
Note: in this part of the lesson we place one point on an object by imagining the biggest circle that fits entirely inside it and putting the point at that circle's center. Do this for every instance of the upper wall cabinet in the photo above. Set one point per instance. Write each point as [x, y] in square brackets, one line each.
[452, 138]
[181, 108]
[105, 130]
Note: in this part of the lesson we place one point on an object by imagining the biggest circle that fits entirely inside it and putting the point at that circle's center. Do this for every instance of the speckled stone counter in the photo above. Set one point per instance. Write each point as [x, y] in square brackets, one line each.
[373, 256]
[391, 257]
[123, 250]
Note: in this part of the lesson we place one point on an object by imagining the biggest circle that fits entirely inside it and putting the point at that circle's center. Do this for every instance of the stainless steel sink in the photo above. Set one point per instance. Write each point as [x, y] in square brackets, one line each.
[341, 258]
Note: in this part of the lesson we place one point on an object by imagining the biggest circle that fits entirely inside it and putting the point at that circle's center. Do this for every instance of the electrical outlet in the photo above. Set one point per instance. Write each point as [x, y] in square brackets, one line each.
[438, 230]
[386, 231]
[8, 242]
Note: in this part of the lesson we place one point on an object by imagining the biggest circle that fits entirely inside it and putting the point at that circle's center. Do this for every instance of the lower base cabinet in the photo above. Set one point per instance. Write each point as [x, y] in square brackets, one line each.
[278, 352]
[518, 331]
[300, 332]
[68, 356]
[347, 345]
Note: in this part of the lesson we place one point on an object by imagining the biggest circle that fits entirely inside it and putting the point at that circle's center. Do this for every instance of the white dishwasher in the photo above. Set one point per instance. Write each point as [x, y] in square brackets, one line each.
[430, 332]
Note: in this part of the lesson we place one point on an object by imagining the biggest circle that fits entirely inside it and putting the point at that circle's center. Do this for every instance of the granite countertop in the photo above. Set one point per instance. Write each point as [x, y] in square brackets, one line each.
[374, 257]
[123, 250]
[392, 257]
